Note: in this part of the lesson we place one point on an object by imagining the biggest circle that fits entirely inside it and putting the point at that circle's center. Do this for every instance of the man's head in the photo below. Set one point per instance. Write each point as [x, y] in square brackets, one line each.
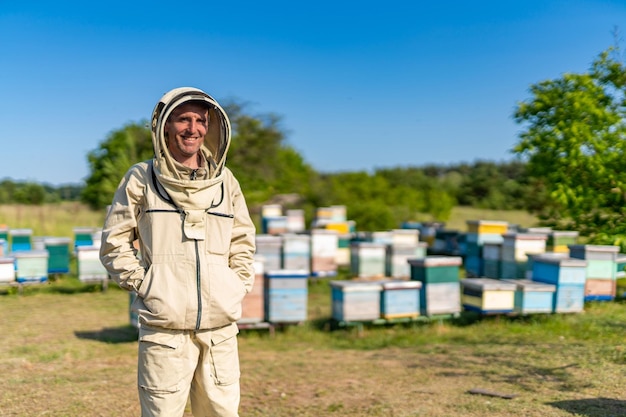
[185, 130]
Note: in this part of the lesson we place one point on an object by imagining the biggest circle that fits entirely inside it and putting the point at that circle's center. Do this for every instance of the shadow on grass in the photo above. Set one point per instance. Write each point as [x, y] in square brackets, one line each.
[593, 407]
[122, 334]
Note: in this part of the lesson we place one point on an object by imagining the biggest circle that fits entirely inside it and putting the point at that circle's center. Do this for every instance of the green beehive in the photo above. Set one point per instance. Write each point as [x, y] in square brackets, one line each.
[59, 251]
[436, 269]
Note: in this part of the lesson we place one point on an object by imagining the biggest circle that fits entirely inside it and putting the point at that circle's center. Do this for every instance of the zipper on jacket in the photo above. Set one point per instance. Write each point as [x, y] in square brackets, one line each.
[194, 174]
[198, 287]
[215, 213]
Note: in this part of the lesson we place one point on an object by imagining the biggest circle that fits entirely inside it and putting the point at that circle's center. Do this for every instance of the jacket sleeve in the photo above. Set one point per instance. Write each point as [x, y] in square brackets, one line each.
[117, 252]
[242, 244]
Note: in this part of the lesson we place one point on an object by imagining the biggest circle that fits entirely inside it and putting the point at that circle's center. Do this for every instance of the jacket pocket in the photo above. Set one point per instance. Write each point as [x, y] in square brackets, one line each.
[161, 360]
[219, 230]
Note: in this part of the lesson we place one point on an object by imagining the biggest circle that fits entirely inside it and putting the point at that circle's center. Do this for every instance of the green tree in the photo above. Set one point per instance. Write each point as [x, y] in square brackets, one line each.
[109, 163]
[575, 145]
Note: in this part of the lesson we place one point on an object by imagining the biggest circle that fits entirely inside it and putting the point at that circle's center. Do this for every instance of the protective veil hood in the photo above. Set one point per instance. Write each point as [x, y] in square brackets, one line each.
[193, 196]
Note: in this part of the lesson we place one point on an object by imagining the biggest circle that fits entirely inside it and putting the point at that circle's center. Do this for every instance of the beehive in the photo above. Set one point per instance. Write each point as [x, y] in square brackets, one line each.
[252, 305]
[601, 260]
[354, 300]
[515, 250]
[400, 299]
[31, 265]
[397, 259]
[83, 236]
[492, 260]
[440, 292]
[285, 296]
[59, 250]
[295, 221]
[560, 240]
[368, 259]
[88, 264]
[533, 296]
[270, 248]
[488, 295]
[568, 275]
[21, 239]
[7, 269]
[296, 251]
[324, 245]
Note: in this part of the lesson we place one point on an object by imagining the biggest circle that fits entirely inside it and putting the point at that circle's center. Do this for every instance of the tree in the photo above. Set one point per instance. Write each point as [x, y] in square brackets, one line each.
[575, 146]
[109, 163]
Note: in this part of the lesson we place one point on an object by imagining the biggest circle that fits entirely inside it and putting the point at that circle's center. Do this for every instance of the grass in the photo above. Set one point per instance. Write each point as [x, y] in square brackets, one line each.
[68, 349]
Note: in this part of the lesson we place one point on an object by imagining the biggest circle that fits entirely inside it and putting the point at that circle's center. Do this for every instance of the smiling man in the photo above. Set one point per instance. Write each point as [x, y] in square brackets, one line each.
[194, 265]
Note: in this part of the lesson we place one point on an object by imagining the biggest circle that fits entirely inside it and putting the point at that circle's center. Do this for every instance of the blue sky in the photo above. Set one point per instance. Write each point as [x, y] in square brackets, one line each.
[358, 85]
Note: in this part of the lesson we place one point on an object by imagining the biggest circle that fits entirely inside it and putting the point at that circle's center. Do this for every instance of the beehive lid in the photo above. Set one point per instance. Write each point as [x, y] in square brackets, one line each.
[525, 236]
[56, 240]
[7, 260]
[288, 273]
[30, 253]
[354, 285]
[530, 285]
[488, 284]
[560, 261]
[595, 248]
[437, 260]
[398, 284]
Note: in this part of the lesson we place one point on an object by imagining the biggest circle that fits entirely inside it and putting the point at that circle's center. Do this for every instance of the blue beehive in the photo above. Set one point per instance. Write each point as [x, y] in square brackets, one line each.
[355, 300]
[285, 296]
[21, 239]
[533, 296]
[400, 299]
[569, 276]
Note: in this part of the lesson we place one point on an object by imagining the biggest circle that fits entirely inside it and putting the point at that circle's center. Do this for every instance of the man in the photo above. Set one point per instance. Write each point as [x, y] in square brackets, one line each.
[194, 262]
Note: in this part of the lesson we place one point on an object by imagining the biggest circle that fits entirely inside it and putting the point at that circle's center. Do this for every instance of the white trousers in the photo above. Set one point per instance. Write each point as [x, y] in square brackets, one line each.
[174, 365]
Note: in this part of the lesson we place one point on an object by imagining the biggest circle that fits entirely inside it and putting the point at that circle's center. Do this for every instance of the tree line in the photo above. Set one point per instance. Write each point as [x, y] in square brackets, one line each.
[566, 167]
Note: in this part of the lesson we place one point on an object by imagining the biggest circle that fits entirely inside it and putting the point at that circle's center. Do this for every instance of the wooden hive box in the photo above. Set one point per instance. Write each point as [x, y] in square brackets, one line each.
[270, 248]
[324, 246]
[342, 257]
[435, 269]
[568, 275]
[620, 266]
[488, 295]
[368, 259]
[601, 259]
[252, 305]
[560, 240]
[296, 251]
[7, 269]
[397, 259]
[285, 296]
[21, 239]
[59, 250]
[88, 264]
[494, 227]
[533, 296]
[440, 299]
[4, 248]
[31, 265]
[275, 225]
[400, 299]
[295, 221]
[492, 260]
[597, 289]
[83, 236]
[355, 300]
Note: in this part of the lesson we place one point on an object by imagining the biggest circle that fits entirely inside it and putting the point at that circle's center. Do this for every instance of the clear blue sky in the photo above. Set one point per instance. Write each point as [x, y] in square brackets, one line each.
[358, 85]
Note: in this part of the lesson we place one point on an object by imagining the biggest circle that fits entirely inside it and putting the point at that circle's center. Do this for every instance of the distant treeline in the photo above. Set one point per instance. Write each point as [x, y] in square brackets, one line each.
[381, 199]
[29, 192]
